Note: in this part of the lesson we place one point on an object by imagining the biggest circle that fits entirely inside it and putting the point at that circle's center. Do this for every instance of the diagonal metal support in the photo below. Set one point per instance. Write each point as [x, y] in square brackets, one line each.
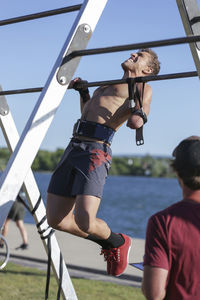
[43, 113]
[190, 16]
[33, 194]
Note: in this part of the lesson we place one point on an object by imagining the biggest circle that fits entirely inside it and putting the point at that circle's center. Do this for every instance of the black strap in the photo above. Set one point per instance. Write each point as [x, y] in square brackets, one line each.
[48, 237]
[20, 199]
[139, 136]
[36, 205]
[60, 276]
[133, 91]
[139, 131]
[140, 99]
[41, 221]
[48, 268]
[42, 231]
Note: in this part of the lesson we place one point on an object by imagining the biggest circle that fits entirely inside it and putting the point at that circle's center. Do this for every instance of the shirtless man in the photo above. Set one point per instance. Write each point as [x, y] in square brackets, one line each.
[76, 186]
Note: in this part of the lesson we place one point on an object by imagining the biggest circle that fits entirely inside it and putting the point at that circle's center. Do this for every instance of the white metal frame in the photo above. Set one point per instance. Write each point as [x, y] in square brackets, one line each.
[32, 192]
[25, 148]
[188, 10]
[42, 115]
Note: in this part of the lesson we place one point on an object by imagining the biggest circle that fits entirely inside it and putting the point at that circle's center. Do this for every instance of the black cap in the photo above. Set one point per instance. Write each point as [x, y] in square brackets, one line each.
[187, 157]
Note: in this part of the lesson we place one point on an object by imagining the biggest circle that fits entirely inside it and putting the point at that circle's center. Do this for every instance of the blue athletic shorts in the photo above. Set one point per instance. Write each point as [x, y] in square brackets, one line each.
[82, 169]
[17, 211]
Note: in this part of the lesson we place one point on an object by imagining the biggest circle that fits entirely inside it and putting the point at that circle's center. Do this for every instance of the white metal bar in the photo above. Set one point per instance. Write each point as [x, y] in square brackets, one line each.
[43, 114]
[18, 167]
[188, 10]
[32, 192]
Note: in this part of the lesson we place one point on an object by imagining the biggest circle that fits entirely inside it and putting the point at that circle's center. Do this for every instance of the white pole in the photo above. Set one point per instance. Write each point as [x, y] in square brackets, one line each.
[43, 113]
[189, 10]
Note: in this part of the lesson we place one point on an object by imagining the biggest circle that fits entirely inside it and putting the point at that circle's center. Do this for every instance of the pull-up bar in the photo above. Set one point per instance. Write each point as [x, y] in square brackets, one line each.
[40, 15]
[21, 91]
[109, 82]
[152, 44]
[141, 79]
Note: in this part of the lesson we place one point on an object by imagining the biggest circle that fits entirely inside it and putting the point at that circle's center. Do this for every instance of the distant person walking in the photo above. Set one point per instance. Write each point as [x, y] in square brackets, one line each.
[17, 213]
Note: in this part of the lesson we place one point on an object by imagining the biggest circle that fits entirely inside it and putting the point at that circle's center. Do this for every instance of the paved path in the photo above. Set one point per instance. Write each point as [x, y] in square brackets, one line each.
[81, 256]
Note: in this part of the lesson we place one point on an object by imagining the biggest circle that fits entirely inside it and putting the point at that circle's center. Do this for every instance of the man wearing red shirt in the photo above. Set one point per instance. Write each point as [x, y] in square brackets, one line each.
[171, 262]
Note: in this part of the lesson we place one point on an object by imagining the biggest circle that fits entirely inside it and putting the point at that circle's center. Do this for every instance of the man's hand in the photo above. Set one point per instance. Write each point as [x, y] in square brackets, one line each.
[73, 81]
[84, 92]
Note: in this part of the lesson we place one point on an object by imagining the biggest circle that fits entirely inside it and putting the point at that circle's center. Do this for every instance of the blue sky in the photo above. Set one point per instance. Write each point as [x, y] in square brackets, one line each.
[29, 50]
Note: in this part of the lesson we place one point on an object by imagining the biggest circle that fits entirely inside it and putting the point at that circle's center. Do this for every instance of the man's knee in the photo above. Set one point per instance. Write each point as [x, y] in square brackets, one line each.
[53, 222]
[51, 219]
[58, 224]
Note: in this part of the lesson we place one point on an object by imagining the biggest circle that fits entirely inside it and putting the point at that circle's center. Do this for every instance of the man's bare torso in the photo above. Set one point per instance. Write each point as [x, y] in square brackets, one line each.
[109, 105]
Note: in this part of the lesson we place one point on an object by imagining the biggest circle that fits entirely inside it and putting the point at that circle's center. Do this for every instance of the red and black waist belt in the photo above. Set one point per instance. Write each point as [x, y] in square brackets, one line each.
[93, 130]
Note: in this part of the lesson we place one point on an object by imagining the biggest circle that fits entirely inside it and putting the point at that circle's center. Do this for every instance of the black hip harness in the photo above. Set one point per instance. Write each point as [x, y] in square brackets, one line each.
[93, 130]
[102, 132]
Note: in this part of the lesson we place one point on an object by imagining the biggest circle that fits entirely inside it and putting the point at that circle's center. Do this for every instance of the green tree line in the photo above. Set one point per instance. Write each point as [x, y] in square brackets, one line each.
[121, 165]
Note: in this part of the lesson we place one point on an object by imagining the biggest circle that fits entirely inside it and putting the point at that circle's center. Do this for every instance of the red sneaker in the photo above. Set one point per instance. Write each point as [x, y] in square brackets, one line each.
[120, 257]
[107, 257]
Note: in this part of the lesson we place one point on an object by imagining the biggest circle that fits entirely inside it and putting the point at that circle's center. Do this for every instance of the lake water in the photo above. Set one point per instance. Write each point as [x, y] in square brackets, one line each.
[127, 202]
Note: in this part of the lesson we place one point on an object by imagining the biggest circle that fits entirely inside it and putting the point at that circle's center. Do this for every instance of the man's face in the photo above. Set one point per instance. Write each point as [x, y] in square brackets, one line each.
[137, 63]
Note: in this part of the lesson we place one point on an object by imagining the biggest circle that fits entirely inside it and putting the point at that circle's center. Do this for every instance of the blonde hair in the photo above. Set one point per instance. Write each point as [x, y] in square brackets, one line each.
[153, 61]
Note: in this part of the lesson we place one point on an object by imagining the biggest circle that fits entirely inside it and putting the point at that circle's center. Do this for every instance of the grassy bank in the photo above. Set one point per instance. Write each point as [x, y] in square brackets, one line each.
[22, 283]
[46, 161]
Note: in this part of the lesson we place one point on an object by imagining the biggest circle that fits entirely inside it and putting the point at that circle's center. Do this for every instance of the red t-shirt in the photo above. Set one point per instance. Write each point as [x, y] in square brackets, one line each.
[173, 243]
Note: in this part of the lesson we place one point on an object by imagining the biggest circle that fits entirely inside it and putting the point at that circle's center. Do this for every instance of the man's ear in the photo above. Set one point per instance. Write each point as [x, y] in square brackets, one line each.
[148, 71]
[180, 181]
